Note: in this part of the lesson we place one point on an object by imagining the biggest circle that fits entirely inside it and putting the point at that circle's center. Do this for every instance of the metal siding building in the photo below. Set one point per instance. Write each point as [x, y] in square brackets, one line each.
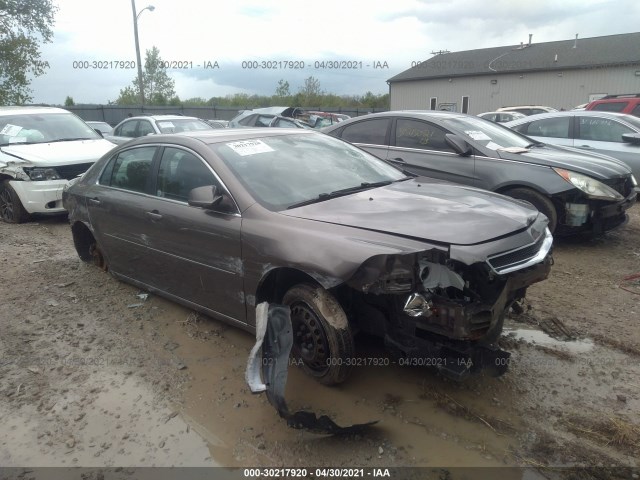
[557, 74]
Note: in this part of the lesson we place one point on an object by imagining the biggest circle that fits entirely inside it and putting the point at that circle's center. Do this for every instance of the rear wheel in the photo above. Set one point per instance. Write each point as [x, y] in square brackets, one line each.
[322, 337]
[11, 209]
[542, 203]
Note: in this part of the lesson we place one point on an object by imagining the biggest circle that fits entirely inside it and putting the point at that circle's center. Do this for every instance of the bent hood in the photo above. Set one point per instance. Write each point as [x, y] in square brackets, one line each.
[588, 163]
[427, 209]
[52, 154]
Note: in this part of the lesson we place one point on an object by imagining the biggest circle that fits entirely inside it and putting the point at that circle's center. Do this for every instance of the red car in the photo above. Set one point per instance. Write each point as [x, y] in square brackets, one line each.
[625, 103]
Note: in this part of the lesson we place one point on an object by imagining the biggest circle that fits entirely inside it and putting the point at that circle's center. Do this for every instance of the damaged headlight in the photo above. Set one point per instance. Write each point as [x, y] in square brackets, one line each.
[592, 187]
[41, 174]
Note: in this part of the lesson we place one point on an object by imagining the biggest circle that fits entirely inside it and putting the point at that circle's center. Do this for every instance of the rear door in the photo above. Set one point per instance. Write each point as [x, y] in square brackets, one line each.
[420, 147]
[117, 206]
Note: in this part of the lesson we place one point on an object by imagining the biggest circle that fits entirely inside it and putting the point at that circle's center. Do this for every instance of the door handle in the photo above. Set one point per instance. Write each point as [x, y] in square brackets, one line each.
[154, 215]
[397, 159]
[94, 200]
[586, 147]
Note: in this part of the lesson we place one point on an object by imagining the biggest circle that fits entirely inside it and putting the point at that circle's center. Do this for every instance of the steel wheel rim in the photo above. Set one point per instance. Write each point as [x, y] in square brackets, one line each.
[309, 339]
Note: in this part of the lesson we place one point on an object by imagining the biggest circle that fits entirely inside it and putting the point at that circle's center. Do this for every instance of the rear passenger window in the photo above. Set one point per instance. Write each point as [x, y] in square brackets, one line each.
[130, 170]
[550, 127]
[422, 135]
[373, 132]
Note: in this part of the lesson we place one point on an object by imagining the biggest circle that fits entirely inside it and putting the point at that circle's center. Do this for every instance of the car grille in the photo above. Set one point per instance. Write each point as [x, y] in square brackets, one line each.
[621, 185]
[515, 257]
[71, 171]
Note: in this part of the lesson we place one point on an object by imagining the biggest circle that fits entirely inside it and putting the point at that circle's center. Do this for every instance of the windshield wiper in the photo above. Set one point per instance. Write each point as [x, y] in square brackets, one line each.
[68, 139]
[344, 191]
[534, 144]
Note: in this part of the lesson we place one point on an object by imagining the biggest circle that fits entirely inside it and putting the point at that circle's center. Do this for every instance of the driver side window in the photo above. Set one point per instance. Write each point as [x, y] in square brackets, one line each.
[180, 172]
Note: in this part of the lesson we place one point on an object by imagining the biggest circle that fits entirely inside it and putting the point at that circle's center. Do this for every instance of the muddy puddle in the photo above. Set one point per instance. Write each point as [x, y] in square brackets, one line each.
[424, 419]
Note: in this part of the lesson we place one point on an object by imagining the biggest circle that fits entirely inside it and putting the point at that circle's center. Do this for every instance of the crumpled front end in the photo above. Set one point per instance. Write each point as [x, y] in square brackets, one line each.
[446, 309]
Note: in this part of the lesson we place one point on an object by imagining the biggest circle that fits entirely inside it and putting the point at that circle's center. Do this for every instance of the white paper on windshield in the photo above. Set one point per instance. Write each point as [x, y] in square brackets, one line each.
[514, 150]
[249, 147]
[166, 124]
[493, 146]
[477, 135]
[11, 130]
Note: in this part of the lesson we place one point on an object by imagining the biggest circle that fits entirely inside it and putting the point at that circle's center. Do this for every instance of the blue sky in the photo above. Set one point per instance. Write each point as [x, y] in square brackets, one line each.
[292, 33]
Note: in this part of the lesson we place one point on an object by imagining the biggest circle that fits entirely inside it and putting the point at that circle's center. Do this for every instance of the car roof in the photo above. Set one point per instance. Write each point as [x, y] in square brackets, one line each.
[433, 114]
[18, 110]
[162, 117]
[231, 134]
[567, 113]
[524, 106]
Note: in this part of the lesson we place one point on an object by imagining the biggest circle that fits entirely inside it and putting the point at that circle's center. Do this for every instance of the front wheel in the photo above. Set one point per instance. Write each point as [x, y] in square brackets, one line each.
[11, 209]
[322, 337]
[542, 203]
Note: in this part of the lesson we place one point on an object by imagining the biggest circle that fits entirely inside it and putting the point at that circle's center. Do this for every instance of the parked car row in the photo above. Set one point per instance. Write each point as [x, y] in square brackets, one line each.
[576, 190]
[396, 227]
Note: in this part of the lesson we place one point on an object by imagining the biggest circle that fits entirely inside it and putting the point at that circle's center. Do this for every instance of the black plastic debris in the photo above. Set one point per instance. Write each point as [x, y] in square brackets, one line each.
[274, 337]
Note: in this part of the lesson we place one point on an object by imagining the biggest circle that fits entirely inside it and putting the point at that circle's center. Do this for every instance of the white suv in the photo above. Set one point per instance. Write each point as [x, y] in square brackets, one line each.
[41, 149]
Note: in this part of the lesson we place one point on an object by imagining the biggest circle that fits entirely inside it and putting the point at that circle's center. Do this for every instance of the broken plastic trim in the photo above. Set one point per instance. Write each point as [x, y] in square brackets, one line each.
[274, 336]
[417, 306]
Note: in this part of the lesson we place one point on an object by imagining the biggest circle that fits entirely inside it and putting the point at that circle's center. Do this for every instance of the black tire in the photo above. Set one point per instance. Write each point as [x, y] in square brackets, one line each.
[11, 209]
[322, 336]
[542, 203]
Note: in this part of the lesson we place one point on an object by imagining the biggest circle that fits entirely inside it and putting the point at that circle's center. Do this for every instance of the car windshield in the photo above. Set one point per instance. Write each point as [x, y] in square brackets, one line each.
[182, 125]
[488, 134]
[43, 128]
[282, 171]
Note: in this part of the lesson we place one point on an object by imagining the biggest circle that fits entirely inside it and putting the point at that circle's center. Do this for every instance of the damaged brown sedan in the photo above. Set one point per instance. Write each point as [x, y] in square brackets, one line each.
[225, 220]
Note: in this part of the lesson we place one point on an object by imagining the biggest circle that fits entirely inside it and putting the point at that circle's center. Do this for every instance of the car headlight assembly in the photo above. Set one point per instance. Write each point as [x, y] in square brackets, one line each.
[40, 174]
[592, 187]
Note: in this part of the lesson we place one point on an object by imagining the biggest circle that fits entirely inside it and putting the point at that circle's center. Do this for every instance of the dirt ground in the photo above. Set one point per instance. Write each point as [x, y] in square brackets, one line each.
[93, 374]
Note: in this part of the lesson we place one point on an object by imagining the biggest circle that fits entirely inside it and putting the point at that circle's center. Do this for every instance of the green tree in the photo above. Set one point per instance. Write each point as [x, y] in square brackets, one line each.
[159, 87]
[282, 90]
[68, 102]
[24, 24]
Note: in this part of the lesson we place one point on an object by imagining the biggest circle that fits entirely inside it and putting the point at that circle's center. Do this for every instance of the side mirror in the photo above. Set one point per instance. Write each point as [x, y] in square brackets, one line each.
[205, 197]
[631, 138]
[459, 145]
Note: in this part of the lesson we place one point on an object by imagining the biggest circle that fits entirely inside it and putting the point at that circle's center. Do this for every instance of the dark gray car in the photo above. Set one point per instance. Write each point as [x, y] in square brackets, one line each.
[577, 191]
[609, 133]
[225, 220]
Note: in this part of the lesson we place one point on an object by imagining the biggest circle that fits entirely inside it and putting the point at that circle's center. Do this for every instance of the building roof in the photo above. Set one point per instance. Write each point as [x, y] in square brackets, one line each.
[595, 52]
